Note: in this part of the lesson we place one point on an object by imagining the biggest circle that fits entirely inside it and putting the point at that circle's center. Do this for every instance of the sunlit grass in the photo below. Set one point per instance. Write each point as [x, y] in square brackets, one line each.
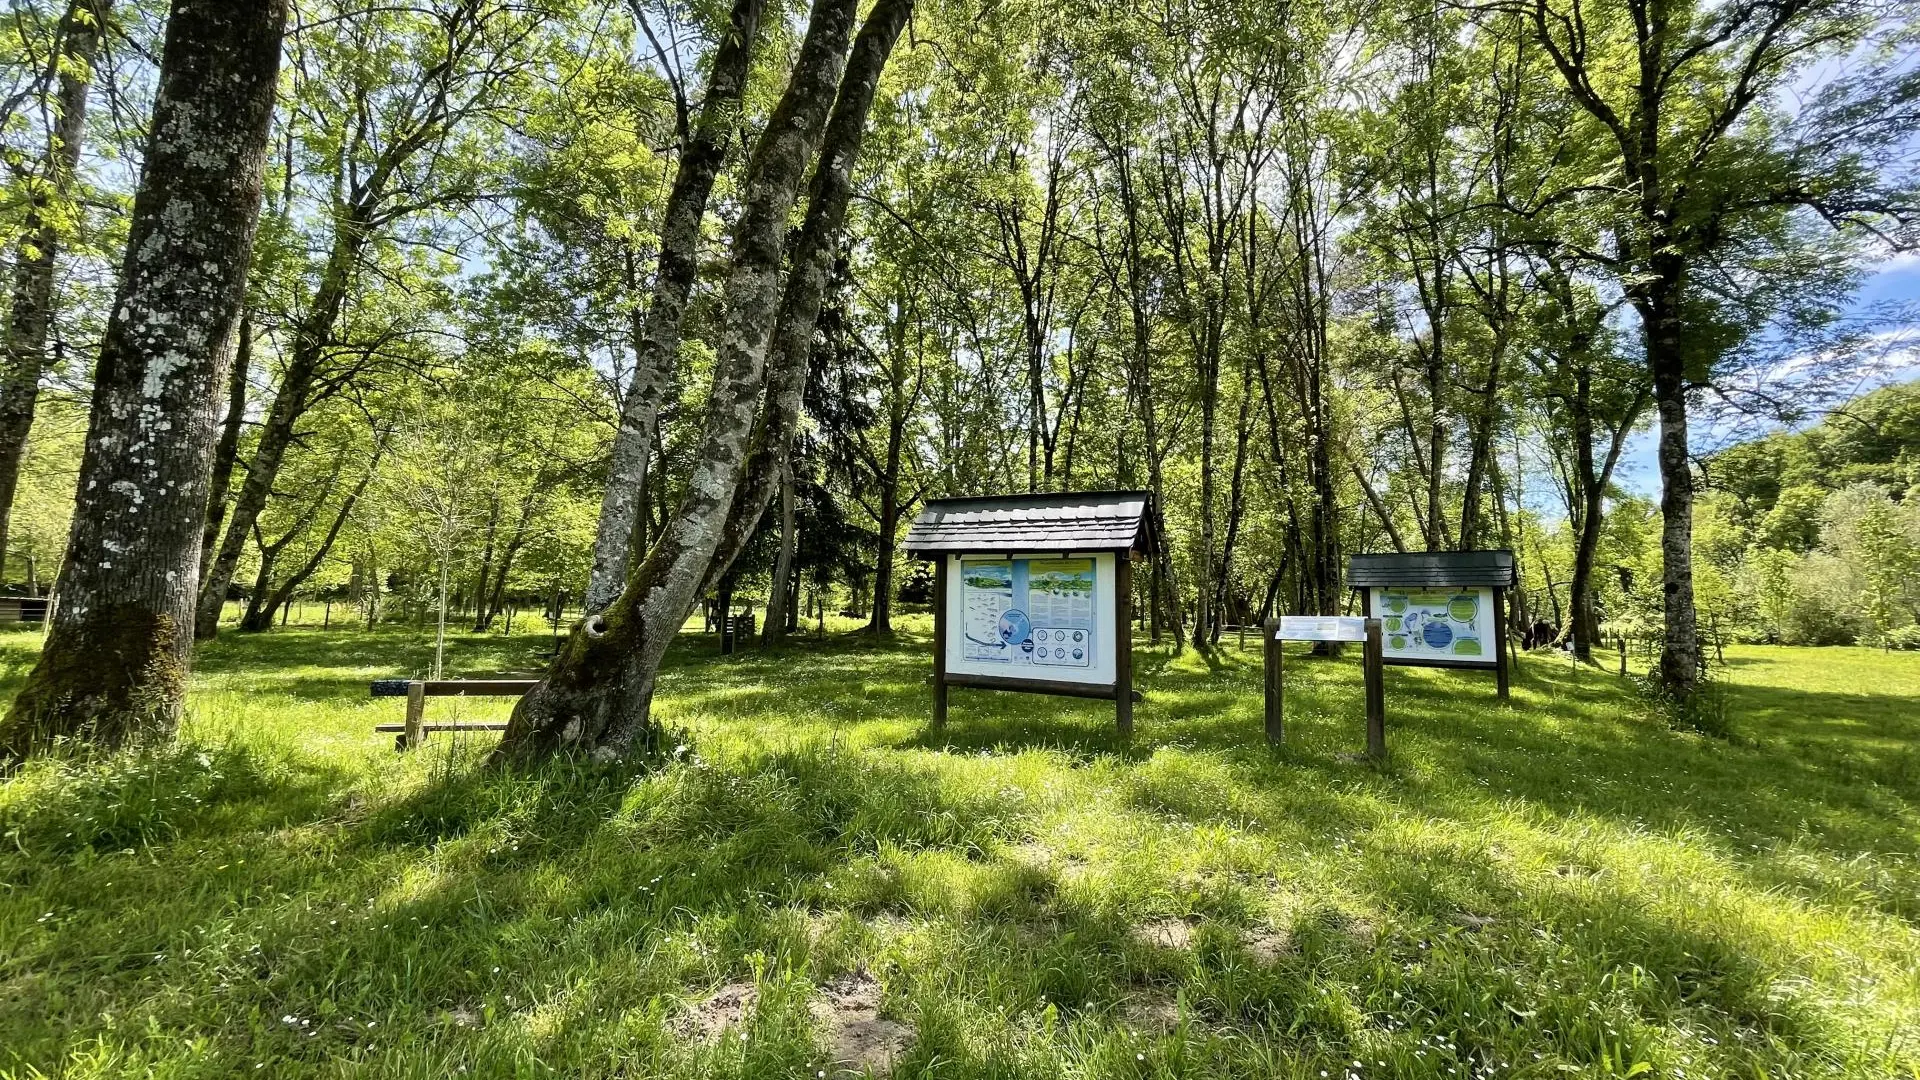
[1560, 887]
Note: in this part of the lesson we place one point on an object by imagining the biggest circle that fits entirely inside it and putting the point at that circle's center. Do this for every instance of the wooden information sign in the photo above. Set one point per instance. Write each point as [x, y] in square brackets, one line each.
[1328, 628]
[1439, 608]
[1034, 593]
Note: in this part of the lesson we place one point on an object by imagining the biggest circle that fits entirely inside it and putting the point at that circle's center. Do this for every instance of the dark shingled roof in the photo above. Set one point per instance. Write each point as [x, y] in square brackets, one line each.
[1056, 521]
[1428, 569]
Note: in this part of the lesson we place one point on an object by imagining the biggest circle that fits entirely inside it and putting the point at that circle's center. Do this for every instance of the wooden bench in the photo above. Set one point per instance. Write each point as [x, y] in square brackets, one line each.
[23, 609]
[415, 730]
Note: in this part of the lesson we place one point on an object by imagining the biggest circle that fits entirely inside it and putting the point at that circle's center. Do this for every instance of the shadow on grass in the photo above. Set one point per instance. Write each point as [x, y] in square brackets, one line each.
[481, 919]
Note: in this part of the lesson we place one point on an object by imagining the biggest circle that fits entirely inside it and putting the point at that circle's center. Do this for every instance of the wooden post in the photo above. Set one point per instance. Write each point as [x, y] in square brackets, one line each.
[1373, 673]
[1500, 640]
[1270, 647]
[939, 639]
[1123, 643]
[416, 714]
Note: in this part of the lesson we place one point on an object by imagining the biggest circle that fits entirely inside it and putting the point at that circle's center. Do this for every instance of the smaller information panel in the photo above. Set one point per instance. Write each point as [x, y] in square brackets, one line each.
[1454, 625]
[1322, 628]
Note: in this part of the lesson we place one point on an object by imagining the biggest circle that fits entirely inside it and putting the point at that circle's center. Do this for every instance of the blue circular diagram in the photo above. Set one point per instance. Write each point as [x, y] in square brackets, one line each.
[1438, 635]
[1014, 625]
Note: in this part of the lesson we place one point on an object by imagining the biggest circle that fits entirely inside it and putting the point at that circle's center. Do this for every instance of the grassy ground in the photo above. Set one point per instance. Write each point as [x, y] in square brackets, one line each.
[1559, 888]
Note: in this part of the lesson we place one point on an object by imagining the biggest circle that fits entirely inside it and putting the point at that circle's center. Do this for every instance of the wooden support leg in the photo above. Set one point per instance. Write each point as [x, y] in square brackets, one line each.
[416, 714]
[1123, 644]
[1270, 648]
[1375, 677]
[1500, 672]
[939, 640]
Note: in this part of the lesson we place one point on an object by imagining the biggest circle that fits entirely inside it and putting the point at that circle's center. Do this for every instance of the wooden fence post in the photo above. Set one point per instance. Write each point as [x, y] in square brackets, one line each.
[416, 713]
[1270, 648]
[1374, 676]
[1500, 673]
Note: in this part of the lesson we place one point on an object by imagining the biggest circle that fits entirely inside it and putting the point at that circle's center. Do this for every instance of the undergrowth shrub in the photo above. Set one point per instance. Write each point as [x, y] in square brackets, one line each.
[1706, 712]
[1904, 638]
[130, 799]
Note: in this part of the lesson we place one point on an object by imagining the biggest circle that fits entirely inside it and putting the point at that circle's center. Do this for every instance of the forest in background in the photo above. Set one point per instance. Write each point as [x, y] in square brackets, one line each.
[1325, 278]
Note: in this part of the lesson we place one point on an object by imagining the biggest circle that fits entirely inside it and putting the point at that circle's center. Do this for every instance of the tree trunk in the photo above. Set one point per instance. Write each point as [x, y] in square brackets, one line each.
[31, 319]
[493, 605]
[598, 695]
[440, 627]
[282, 594]
[290, 401]
[226, 453]
[884, 540]
[812, 262]
[703, 152]
[779, 606]
[258, 617]
[486, 564]
[1203, 579]
[114, 669]
[1680, 655]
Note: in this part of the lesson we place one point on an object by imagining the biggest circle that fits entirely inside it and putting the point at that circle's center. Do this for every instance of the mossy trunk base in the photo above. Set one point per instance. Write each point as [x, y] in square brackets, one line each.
[116, 679]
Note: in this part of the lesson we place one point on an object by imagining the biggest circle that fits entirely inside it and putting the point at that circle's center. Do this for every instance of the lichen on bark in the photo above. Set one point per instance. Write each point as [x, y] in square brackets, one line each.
[114, 669]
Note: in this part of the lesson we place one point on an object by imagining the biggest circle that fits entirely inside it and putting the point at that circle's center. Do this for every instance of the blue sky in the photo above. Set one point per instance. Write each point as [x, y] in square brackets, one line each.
[1896, 282]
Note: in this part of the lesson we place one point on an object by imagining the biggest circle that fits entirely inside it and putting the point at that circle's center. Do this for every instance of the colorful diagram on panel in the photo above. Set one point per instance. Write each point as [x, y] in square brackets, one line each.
[1028, 612]
[1454, 625]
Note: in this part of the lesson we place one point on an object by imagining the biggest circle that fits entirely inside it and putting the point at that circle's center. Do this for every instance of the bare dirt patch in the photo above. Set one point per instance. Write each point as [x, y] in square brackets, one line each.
[859, 1041]
[726, 1008]
[1267, 946]
[1151, 1010]
[1164, 934]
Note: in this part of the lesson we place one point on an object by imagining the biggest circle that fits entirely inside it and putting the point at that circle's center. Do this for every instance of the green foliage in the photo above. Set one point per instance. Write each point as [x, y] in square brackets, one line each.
[1825, 568]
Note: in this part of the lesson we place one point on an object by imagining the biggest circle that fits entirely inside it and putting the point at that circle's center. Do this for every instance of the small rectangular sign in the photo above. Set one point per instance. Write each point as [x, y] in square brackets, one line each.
[1322, 628]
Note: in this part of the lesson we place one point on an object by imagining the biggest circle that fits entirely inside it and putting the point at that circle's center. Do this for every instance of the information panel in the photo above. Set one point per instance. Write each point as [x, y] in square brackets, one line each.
[1031, 617]
[1321, 628]
[1453, 625]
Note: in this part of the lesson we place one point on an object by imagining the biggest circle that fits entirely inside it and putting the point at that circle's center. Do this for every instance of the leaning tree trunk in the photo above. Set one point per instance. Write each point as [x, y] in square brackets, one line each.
[31, 318]
[701, 157]
[114, 670]
[808, 280]
[277, 431]
[226, 453]
[597, 696]
[282, 595]
[779, 592]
